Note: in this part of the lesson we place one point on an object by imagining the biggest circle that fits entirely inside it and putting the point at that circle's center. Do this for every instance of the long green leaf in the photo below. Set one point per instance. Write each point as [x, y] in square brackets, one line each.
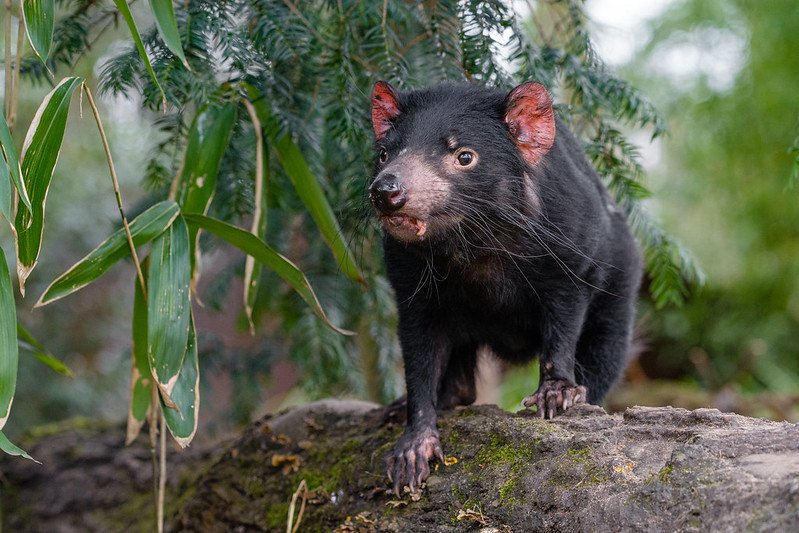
[164, 15]
[6, 197]
[28, 342]
[9, 351]
[9, 447]
[39, 18]
[39, 155]
[168, 306]
[182, 421]
[252, 245]
[122, 5]
[311, 194]
[307, 186]
[208, 139]
[141, 380]
[144, 228]
[10, 156]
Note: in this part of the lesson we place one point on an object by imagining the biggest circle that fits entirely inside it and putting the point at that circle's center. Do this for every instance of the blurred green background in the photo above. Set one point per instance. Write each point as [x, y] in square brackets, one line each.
[724, 73]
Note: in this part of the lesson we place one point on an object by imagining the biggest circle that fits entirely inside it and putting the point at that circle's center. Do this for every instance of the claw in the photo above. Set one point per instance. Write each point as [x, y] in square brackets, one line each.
[408, 464]
[555, 395]
[389, 467]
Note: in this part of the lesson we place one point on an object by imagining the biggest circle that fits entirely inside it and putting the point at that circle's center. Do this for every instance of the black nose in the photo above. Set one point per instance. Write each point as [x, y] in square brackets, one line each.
[387, 194]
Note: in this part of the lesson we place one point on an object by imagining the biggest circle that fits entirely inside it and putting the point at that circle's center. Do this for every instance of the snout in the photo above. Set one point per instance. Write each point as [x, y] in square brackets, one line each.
[387, 194]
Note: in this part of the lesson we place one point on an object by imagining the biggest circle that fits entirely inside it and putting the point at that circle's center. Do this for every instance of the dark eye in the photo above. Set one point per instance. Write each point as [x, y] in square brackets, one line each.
[383, 155]
[465, 158]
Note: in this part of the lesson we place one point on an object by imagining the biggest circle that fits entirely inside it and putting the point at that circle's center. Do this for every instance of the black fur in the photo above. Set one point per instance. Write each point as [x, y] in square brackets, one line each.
[541, 263]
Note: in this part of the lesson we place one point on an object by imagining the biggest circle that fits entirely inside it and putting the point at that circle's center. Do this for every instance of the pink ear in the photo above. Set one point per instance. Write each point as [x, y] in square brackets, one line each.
[530, 120]
[384, 108]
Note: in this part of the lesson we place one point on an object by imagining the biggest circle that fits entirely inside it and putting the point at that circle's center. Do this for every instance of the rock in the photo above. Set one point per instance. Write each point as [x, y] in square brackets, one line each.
[647, 469]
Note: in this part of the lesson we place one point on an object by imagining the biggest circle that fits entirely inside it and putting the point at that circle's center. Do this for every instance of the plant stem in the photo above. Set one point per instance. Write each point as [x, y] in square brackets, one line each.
[260, 205]
[117, 194]
[12, 115]
[162, 473]
[152, 422]
[7, 64]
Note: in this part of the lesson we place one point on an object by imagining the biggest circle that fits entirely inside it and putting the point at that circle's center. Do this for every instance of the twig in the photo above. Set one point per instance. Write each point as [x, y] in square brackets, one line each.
[117, 194]
[7, 64]
[302, 489]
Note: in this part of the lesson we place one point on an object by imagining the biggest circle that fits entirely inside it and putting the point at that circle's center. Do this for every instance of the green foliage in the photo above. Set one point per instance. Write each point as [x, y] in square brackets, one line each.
[143, 229]
[794, 151]
[308, 67]
[722, 189]
[39, 23]
[39, 155]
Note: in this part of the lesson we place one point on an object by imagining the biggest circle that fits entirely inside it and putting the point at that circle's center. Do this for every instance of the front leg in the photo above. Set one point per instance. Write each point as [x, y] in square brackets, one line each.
[425, 354]
[557, 388]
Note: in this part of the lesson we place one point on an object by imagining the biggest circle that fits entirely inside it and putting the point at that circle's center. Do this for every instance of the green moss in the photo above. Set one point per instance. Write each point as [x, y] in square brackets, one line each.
[498, 451]
[458, 495]
[577, 467]
[664, 475]
[332, 470]
[507, 488]
[253, 486]
[454, 439]
[277, 515]
[578, 455]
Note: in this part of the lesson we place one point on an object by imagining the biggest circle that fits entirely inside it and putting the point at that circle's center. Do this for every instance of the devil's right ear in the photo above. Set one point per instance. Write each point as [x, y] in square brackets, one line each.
[385, 108]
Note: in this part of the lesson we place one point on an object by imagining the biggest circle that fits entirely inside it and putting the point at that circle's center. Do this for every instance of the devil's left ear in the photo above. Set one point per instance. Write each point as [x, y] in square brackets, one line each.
[530, 120]
[384, 108]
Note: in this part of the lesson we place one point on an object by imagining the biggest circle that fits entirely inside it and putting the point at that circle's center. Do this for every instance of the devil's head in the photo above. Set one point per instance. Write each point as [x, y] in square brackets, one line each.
[455, 153]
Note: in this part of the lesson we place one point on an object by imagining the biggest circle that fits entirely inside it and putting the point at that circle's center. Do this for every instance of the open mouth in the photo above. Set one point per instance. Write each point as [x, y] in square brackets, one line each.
[406, 222]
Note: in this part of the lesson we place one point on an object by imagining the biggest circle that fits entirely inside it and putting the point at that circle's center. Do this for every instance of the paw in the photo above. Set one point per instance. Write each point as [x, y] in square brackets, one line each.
[555, 395]
[408, 464]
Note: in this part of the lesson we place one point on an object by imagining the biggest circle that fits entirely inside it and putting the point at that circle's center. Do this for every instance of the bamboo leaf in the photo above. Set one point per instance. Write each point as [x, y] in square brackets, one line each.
[6, 197]
[9, 351]
[10, 156]
[39, 155]
[29, 343]
[168, 306]
[182, 421]
[122, 5]
[164, 15]
[252, 245]
[144, 228]
[141, 381]
[39, 16]
[8, 447]
[208, 138]
[195, 186]
[307, 186]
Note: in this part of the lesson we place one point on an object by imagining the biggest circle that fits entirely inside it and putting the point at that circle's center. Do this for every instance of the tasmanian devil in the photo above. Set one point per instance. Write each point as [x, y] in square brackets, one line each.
[498, 233]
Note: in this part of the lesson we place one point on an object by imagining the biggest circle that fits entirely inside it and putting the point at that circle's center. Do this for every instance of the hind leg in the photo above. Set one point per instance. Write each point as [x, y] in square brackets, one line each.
[604, 344]
[457, 386]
